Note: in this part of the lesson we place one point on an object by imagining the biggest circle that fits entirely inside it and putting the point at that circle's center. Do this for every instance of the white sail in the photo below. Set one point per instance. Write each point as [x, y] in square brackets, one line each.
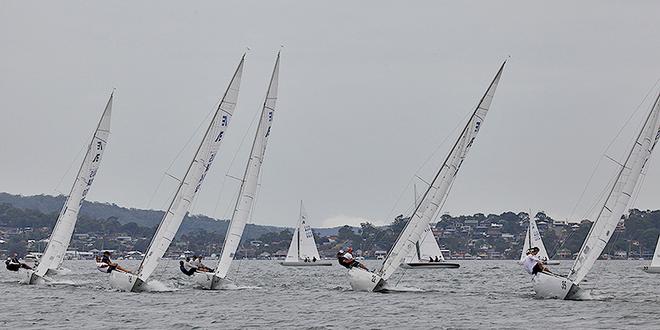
[656, 255]
[526, 245]
[248, 188]
[193, 178]
[439, 188]
[292, 255]
[61, 236]
[306, 238]
[619, 196]
[302, 243]
[535, 240]
[426, 249]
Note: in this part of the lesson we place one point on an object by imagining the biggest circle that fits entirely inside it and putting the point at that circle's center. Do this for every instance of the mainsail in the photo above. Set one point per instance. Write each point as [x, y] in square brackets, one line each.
[66, 222]
[248, 190]
[302, 245]
[194, 177]
[619, 196]
[438, 190]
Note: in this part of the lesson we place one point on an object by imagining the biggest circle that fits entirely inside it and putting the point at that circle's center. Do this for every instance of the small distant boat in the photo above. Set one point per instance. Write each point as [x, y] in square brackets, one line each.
[427, 249]
[533, 239]
[303, 251]
[654, 267]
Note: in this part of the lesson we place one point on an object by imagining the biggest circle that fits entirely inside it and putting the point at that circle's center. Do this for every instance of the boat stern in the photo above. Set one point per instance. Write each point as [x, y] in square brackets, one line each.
[362, 280]
[30, 277]
[125, 281]
[551, 286]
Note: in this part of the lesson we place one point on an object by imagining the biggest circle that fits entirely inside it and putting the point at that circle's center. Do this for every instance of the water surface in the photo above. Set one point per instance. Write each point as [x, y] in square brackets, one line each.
[480, 294]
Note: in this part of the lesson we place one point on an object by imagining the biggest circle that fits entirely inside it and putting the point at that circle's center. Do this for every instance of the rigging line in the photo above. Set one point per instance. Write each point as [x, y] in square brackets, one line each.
[610, 145]
[185, 146]
[231, 163]
[425, 162]
[71, 165]
[602, 195]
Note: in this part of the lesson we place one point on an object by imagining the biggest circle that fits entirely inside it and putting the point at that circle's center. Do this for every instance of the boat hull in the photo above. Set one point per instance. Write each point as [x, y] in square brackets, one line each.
[209, 281]
[362, 280]
[125, 282]
[653, 270]
[429, 265]
[306, 264]
[551, 286]
[30, 277]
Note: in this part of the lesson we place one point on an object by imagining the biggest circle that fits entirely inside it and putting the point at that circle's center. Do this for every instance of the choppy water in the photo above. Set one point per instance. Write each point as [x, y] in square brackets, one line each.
[481, 294]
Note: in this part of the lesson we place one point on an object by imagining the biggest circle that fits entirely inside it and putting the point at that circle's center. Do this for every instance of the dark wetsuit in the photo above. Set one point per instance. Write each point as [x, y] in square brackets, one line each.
[106, 260]
[188, 272]
[13, 264]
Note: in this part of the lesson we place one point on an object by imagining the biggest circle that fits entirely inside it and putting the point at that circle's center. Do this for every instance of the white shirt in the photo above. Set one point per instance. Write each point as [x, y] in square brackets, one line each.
[348, 256]
[195, 263]
[102, 267]
[529, 262]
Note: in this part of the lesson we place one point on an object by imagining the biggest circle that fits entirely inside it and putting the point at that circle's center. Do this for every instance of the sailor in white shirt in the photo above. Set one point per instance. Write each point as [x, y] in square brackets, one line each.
[532, 263]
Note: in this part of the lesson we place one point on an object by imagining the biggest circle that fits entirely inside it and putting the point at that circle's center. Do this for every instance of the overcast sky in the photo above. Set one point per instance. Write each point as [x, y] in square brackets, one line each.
[369, 91]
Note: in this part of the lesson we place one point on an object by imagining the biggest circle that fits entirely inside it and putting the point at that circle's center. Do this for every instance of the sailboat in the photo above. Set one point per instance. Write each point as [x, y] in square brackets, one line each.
[247, 193]
[59, 240]
[186, 191]
[432, 199]
[548, 285]
[425, 253]
[303, 251]
[533, 239]
[655, 263]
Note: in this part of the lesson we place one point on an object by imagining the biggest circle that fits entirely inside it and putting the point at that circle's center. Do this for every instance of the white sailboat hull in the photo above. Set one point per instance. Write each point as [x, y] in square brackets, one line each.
[551, 286]
[30, 277]
[652, 269]
[429, 265]
[362, 280]
[209, 281]
[552, 262]
[125, 282]
[306, 264]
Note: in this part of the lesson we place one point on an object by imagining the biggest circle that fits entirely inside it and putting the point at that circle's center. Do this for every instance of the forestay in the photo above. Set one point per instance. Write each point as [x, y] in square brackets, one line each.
[439, 187]
[66, 222]
[618, 197]
[192, 181]
[302, 243]
[248, 188]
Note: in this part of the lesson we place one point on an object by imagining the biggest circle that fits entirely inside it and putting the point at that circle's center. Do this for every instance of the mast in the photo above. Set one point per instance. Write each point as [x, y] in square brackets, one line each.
[248, 188]
[619, 195]
[60, 238]
[300, 227]
[422, 215]
[194, 177]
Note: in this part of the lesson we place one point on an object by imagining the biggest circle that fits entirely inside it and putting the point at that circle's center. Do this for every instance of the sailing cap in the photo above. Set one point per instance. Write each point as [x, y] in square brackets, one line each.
[341, 251]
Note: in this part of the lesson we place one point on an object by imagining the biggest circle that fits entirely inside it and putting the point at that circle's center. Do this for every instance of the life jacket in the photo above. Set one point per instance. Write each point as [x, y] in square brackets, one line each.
[13, 264]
